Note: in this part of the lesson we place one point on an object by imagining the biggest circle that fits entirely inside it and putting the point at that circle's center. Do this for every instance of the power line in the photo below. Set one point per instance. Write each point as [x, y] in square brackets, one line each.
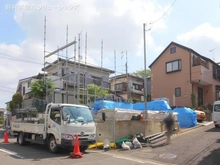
[6, 91]
[22, 60]
[164, 13]
[7, 87]
[17, 59]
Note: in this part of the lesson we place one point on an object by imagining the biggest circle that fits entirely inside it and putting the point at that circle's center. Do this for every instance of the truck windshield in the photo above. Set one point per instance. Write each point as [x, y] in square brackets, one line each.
[77, 114]
[217, 108]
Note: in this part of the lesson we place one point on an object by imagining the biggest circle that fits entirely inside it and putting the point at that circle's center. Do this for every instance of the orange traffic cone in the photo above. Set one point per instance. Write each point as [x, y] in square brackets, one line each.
[76, 151]
[6, 137]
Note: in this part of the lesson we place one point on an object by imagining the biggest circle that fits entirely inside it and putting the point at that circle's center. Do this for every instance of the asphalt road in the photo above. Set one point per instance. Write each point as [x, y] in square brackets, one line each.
[200, 146]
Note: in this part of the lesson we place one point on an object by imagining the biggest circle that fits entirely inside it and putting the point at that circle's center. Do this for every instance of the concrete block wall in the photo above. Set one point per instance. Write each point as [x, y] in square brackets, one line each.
[124, 128]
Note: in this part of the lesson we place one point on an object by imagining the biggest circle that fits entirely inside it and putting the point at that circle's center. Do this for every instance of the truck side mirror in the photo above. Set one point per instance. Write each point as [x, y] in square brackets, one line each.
[67, 118]
[103, 116]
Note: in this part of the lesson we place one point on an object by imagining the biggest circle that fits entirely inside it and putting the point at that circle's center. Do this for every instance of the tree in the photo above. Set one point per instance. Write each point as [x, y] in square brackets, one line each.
[16, 101]
[95, 91]
[39, 88]
[141, 73]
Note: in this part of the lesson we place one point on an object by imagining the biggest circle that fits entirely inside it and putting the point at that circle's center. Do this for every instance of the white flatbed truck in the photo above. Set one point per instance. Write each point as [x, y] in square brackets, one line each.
[56, 127]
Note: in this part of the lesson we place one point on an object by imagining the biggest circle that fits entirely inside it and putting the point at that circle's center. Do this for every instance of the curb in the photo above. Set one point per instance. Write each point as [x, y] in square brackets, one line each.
[189, 129]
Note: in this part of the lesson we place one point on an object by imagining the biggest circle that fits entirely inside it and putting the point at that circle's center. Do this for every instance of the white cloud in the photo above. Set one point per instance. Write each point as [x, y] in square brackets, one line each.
[118, 23]
[203, 30]
[202, 39]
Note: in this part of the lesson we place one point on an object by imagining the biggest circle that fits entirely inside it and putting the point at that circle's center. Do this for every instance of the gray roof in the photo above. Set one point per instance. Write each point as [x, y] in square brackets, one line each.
[81, 64]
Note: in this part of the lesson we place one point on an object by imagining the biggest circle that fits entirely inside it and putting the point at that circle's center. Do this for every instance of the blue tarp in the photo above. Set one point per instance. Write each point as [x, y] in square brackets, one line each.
[158, 105]
[186, 117]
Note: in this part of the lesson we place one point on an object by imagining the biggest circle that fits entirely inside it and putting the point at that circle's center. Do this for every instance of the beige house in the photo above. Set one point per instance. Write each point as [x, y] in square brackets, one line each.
[129, 87]
[73, 78]
[185, 77]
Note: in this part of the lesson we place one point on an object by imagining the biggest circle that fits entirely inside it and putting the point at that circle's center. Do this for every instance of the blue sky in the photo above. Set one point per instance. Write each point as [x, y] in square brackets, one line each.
[10, 32]
[195, 24]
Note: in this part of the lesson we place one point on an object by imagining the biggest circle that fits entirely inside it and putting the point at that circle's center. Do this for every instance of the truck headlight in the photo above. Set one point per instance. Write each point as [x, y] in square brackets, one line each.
[92, 136]
[66, 136]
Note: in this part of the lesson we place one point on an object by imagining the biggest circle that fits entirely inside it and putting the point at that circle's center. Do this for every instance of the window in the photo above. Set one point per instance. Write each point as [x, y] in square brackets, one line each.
[216, 72]
[178, 92]
[172, 50]
[173, 66]
[121, 87]
[217, 108]
[55, 116]
[77, 114]
[65, 71]
[138, 86]
[23, 90]
[97, 80]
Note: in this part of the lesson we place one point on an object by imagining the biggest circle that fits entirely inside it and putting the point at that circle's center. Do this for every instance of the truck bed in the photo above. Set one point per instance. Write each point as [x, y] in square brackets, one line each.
[28, 126]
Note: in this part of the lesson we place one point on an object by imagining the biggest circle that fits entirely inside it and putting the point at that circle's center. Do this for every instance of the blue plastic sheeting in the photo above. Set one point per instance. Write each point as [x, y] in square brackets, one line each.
[158, 105]
[104, 104]
[186, 117]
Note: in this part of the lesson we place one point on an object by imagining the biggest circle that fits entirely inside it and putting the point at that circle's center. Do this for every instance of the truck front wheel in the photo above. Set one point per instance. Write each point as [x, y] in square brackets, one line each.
[83, 148]
[52, 145]
[21, 140]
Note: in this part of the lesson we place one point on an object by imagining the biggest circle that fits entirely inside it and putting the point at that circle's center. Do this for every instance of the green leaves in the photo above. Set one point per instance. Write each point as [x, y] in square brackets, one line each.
[142, 72]
[94, 91]
[16, 100]
[39, 88]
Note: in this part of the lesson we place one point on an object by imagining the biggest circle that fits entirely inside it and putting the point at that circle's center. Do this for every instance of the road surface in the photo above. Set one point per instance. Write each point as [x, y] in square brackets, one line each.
[199, 146]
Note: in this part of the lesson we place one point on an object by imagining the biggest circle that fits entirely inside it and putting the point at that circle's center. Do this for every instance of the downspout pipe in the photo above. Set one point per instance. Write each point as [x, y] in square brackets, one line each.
[190, 70]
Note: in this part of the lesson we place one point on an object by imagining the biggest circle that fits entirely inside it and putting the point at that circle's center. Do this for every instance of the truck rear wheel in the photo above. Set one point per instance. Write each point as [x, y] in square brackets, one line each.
[21, 140]
[52, 145]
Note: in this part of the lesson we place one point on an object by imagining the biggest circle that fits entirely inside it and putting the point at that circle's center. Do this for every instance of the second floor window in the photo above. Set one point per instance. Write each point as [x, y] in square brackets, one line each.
[173, 66]
[216, 72]
[96, 80]
[137, 87]
[121, 87]
[23, 90]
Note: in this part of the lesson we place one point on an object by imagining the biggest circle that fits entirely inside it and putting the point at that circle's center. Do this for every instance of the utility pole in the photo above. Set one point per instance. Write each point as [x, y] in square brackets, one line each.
[145, 76]
[44, 45]
[115, 72]
[101, 69]
[126, 68]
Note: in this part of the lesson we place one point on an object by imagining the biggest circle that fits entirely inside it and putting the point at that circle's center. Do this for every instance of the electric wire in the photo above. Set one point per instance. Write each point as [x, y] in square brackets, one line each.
[164, 13]
[17, 59]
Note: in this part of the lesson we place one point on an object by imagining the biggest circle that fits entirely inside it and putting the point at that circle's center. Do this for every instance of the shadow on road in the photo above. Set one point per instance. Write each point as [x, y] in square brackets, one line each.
[213, 130]
[35, 152]
[212, 159]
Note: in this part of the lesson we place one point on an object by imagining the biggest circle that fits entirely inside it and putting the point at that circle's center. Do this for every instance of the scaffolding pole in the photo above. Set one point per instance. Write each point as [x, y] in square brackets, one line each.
[78, 80]
[74, 97]
[101, 69]
[85, 82]
[67, 65]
